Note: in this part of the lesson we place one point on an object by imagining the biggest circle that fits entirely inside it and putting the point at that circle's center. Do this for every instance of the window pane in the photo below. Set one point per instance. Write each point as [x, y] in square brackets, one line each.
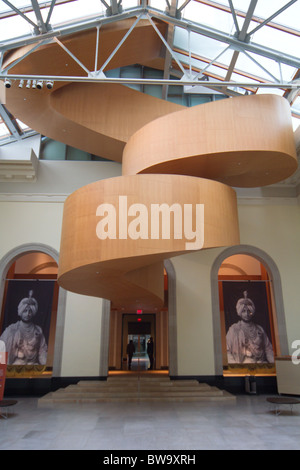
[4, 132]
[209, 16]
[278, 40]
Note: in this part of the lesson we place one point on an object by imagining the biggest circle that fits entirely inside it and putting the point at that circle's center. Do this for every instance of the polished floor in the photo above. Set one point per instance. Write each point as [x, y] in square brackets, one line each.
[248, 424]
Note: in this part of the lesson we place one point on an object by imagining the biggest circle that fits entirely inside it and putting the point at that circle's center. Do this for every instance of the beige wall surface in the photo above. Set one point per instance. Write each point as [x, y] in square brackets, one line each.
[271, 227]
[81, 346]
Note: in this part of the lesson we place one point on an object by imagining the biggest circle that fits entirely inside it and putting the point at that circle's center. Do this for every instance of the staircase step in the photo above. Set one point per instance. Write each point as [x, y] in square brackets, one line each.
[78, 395]
[109, 388]
[135, 388]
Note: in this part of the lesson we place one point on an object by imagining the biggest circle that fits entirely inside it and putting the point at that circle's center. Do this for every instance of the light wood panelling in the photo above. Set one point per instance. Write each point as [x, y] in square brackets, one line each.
[95, 118]
[129, 271]
[243, 142]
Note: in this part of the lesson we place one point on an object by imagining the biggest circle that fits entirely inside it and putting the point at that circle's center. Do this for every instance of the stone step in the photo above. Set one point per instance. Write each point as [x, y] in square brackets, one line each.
[109, 387]
[140, 390]
[131, 394]
[135, 389]
[166, 382]
[50, 400]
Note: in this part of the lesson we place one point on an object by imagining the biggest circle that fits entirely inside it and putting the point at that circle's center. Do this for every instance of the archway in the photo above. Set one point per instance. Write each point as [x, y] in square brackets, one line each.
[12, 267]
[278, 309]
[170, 328]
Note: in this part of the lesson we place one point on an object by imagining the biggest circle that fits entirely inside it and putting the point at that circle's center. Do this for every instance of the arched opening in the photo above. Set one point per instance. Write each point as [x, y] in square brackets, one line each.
[29, 284]
[139, 327]
[247, 315]
[111, 331]
[246, 272]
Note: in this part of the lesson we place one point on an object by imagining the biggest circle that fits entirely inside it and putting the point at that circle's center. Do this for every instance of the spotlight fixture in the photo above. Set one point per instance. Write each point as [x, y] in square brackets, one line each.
[21, 83]
[39, 84]
[7, 83]
[49, 84]
[33, 83]
[28, 83]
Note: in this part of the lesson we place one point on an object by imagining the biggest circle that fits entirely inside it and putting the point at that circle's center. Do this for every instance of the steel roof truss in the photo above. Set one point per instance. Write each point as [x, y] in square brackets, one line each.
[19, 12]
[237, 44]
[50, 13]
[170, 40]
[8, 67]
[100, 71]
[198, 28]
[71, 55]
[263, 68]
[173, 54]
[40, 22]
[9, 123]
[267, 20]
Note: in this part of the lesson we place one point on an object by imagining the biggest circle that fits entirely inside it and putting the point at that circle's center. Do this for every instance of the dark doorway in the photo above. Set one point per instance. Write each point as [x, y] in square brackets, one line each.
[138, 328]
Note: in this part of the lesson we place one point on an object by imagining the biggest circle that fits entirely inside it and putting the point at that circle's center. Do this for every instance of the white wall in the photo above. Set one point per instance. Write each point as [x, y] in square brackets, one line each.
[81, 346]
[194, 313]
[29, 222]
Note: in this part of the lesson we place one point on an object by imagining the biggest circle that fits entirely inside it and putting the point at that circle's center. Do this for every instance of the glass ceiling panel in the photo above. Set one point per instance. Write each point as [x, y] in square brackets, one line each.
[268, 66]
[278, 40]
[15, 26]
[289, 17]
[81, 9]
[241, 5]
[296, 123]
[75, 10]
[296, 104]
[265, 8]
[12, 25]
[200, 45]
[198, 65]
[270, 91]
[17, 3]
[22, 126]
[204, 14]
[4, 132]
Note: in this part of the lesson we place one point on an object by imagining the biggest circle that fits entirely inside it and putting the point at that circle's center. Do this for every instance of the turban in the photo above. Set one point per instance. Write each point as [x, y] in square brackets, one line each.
[28, 301]
[241, 303]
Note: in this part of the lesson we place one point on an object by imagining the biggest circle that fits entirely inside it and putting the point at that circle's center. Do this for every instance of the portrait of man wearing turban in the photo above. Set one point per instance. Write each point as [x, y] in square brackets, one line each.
[24, 340]
[247, 341]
